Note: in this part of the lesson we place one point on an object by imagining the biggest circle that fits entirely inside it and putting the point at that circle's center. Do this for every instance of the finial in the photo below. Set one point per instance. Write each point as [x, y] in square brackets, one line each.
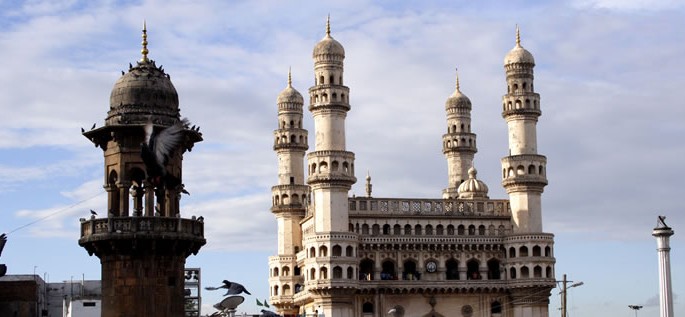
[368, 184]
[290, 78]
[144, 50]
[518, 36]
[456, 70]
[328, 25]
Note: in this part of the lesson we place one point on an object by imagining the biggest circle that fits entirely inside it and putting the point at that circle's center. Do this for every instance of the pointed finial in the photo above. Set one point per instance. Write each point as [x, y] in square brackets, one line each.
[368, 184]
[456, 70]
[290, 78]
[144, 51]
[328, 25]
[518, 36]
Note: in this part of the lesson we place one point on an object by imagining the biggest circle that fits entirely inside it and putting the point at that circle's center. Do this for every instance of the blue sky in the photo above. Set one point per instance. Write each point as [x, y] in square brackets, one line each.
[610, 75]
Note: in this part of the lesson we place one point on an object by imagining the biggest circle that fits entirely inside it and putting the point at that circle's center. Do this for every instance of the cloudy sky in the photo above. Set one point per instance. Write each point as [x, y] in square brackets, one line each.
[610, 75]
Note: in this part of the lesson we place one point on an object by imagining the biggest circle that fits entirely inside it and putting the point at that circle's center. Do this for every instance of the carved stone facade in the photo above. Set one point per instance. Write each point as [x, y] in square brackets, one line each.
[461, 255]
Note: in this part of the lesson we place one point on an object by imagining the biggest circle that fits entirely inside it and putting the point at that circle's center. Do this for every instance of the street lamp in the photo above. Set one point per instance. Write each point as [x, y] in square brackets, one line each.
[563, 293]
[635, 308]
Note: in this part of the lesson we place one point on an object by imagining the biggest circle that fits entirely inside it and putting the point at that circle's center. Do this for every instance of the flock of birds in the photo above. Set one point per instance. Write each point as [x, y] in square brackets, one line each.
[234, 289]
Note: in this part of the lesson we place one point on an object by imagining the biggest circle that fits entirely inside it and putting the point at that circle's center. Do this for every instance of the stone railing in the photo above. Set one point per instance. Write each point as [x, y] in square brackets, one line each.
[137, 225]
[360, 206]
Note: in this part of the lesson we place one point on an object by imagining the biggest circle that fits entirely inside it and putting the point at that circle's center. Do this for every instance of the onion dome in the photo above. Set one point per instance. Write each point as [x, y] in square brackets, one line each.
[457, 99]
[143, 93]
[472, 187]
[328, 46]
[290, 94]
[519, 54]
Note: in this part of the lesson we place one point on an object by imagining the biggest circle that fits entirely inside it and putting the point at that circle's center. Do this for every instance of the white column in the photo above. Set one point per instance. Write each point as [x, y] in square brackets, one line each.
[662, 234]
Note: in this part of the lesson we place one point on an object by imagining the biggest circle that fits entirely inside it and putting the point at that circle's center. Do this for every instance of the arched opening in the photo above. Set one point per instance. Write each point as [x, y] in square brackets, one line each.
[376, 229]
[351, 228]
[417, 230]
[337, 272]
[493, 269]
[297, 271]
[501, 230]
[337, 250]
[331, 80]
[274, 272]
[323, 251]
[388, 270]
[286, 271]
[323, 167]
[472, 272]
[350, 273]
[531, 169]
[481, 230]
[298, 288]
[525, 272]
[460, 230]
[113, 192]
[439, 230]
[323, 273]
[286, 289]
[512, 273]
[450, 230]
[349, 251]
[334, 166]
[386, 229]
[495, 308]
[312, 274]
[548, 252]
[276, 290]
[451, 269]
[367, 308]
[472, 230]
[429, 230]
[537, 251]
[365, 229]
[410, 272]
[407, 229]
[523, 251]
[321, 80]
[548, 272]
[397, 230]
[537, 271]
[366, 269]
[512, 252]
[312, 252]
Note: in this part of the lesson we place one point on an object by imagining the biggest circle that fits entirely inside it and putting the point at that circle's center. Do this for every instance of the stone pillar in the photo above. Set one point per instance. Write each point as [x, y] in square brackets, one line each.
[662, 233]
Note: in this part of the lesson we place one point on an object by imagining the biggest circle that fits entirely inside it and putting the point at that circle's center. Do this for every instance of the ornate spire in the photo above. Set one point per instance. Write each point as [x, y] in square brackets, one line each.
[328, 25]
[456, 70]
[368, 184]
[290, 78]
[518, 36]
[144, 51]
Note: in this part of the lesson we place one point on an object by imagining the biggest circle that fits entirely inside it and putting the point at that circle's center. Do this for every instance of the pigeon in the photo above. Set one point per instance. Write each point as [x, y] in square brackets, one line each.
[156, 150]
[266, 304]
[92, 212]
[268, 313]
[200, 219]
[93, 127]
[232, 288]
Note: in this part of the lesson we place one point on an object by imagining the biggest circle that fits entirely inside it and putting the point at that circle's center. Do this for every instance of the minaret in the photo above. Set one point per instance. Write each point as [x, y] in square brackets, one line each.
[331, 175]
[331, 167]
[663, 233]
[290, 197]
[458, 144]
[142, 245]
[523, 170]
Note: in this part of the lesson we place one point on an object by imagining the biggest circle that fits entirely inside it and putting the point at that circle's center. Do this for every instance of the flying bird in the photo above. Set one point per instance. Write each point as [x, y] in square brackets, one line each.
[83, 130]
[92, 212]
[232, 288]
[156, 150]
[93, 127]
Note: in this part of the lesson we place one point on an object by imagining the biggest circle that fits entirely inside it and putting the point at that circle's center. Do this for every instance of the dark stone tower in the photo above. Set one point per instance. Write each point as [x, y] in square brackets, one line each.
[142, 247]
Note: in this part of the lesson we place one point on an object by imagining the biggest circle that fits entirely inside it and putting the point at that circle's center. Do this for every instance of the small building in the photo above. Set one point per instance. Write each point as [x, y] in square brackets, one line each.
[22, 295]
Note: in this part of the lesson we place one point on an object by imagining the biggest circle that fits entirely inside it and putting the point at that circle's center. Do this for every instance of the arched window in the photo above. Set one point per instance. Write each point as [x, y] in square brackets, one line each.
[548, 252]
[365, 229]
[549, 272]
[312, 274]
[276, 290]
[337, 250]
[275, 272]
[525, 272]
[388, 270]
[337, 272]
[320, 80]
[349, 251]
[493, 269]
[531, 169]
[297, 271]
[334, 166]
[286, 271]
[536, 251]
[286, 289]
[450, 230]
[472, 271]
[331, 80]
[366, 269]
[323, 273]
[472, 230]
[417, 230]
[537, 271]
[323, 251]
[407, 229]
[351, 228]
[512, 252]
[451, 269]
[397, 230]
[520, 170]
[523, 251]
[512, 273]
[376, 229]
[312, 252]
[350, 273]
[460, 230]
[429, 230]
[481, 230]
[410, 272]
[439, 230]
[367, 308]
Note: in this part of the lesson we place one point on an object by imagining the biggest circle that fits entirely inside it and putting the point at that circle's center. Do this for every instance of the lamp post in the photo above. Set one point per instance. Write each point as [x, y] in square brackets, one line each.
[563, 293]
[635, 308]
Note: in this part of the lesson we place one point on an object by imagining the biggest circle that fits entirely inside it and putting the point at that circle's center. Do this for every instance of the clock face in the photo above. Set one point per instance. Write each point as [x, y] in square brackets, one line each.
[431, 266]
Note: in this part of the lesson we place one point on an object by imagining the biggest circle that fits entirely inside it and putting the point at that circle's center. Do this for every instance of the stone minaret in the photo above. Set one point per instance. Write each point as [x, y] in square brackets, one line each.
[523, 173]
[662, 233]
[458, 144]
[331, 175]
[523, 170]
[143, 245]
[289, 202]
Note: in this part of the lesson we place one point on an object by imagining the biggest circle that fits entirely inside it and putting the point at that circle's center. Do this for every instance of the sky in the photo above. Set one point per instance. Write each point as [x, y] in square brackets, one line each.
[609, 72]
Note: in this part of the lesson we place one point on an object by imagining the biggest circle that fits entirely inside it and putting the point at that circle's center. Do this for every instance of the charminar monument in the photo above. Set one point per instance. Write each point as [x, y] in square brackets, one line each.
[459, 254]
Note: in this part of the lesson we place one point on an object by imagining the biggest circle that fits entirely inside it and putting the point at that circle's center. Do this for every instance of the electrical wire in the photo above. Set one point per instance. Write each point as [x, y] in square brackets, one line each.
[55, 213]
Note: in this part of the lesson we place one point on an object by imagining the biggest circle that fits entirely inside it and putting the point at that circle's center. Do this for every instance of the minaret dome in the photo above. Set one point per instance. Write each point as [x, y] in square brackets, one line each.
[518, 54]
[290, 94]
[328, 47]
[458, 99]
